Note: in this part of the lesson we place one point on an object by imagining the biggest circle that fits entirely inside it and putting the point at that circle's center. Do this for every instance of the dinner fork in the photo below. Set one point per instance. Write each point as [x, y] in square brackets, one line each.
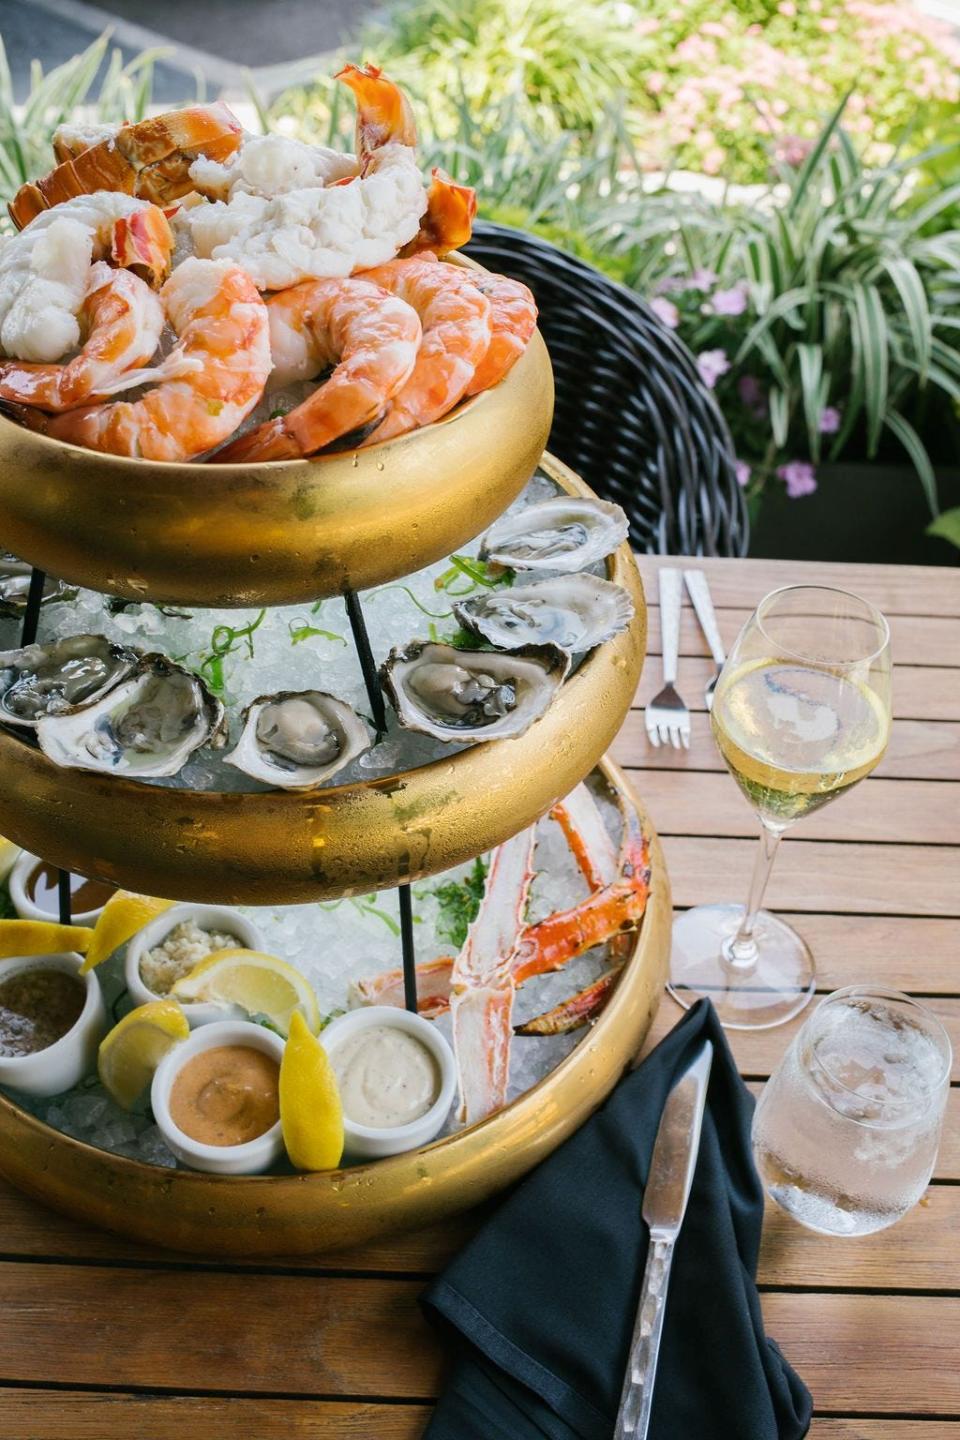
[667, 718]
[699, 592]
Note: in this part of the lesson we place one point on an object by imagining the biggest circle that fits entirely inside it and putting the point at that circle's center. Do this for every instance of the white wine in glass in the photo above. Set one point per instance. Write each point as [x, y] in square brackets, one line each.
[801, 713]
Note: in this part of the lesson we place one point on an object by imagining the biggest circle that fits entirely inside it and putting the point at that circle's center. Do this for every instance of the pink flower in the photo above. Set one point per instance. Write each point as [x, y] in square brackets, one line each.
[666, 311]
[656, 80]
[730, 302]
[792, 150]
[713, 159]
[799, 477]
[703, 279]
[829, 420]
[742, 471]
[787, 7]
[711, 365]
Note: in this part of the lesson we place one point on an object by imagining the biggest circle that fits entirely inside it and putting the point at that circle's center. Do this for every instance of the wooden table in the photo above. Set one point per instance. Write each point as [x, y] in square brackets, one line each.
[109, 1341]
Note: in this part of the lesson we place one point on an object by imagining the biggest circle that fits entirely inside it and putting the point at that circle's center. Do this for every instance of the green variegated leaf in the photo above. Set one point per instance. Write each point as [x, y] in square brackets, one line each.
[916, 449]
[811, 390]
[947, 526]
[913, 297]
[871, 325]
[779, 416]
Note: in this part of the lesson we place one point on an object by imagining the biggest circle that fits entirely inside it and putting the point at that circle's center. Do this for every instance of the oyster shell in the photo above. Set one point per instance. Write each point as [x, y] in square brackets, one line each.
[467, 696]
[565, 534]
[575, 612]
[147, 726]
[15, 586]
[298, 738]
[66, 674]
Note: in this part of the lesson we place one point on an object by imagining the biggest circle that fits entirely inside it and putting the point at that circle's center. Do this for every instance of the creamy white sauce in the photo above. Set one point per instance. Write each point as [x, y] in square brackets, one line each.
[387, 1077]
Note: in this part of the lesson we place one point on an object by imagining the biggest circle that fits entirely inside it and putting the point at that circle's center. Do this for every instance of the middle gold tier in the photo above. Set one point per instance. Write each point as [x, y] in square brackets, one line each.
[289, 847]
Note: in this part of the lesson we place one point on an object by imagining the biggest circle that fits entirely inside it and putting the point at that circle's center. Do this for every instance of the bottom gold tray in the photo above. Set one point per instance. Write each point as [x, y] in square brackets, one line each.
[304, 1214]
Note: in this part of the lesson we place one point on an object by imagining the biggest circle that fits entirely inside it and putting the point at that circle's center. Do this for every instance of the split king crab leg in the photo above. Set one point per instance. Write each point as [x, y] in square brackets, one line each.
[482, 983]
[614, 908]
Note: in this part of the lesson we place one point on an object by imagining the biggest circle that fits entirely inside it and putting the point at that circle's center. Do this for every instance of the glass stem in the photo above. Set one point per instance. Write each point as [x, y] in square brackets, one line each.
[740, 950]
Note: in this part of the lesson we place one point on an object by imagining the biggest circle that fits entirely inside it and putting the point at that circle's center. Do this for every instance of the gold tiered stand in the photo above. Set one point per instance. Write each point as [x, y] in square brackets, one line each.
[240, 535]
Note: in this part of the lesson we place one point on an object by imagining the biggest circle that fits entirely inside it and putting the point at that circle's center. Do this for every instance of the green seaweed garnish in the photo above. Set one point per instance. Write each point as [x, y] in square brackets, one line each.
[224, 641]
[458, 902]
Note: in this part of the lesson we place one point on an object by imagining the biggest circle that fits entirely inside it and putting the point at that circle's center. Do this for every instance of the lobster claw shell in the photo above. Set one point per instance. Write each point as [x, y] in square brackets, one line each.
[151, 160]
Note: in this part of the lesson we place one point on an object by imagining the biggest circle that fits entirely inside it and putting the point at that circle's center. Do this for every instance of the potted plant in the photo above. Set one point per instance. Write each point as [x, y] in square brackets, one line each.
[823, 310]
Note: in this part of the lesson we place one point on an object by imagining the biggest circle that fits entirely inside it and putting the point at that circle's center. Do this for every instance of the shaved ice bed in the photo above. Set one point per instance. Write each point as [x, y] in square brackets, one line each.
[242, 654]
[343, 941]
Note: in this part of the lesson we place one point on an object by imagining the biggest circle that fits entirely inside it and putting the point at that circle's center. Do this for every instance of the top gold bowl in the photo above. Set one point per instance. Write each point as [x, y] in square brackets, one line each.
[282, 533]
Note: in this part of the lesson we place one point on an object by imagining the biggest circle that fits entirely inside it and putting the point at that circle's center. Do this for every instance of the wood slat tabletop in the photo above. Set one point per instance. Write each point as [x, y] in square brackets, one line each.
[102, 1339]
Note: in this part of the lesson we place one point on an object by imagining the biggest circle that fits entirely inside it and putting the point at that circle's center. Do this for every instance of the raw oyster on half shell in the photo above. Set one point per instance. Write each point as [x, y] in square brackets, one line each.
[148, 726]
[15, 586]
[66, 674]
[467, 696]
[298, 738]
[565, 534]
[575, 612]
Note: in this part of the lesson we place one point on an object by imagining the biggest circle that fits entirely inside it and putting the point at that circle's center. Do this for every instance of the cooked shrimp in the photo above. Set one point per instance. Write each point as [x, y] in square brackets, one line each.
[151, 159]
[372, 334]
[456, 334]
[384, 116]
[122, 319]
[45, 270]
[282, 236]
[208, 384]
[513, 318]
[448, 223]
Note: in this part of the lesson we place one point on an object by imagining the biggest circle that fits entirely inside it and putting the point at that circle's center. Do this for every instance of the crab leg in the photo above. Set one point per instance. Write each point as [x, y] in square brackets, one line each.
[547, 945]
[588, 837]
[577, 1011]
[433, 987]
[482, 986]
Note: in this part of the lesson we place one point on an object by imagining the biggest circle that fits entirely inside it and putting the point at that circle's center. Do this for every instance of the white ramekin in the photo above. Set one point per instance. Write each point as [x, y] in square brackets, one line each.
[366, 1142]
[64, 1063]
[208, 917]
[26, 908]
[249, 1159]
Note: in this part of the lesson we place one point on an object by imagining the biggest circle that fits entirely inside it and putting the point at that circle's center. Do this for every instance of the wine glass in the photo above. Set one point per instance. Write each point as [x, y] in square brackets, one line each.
[801, 713]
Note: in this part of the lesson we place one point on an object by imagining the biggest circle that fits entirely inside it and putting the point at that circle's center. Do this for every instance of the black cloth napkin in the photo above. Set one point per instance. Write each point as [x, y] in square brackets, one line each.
[542, 1302]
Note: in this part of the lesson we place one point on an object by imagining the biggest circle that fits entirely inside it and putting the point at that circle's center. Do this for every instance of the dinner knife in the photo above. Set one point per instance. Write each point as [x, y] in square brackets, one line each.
[665, 1198]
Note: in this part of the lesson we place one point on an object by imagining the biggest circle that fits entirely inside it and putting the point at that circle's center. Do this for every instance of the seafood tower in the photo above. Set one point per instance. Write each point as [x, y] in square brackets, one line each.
[297, 610]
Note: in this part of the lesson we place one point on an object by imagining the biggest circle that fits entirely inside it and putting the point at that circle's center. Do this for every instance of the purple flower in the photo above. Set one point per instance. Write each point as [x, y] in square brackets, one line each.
[730, 302]
[799, 477]
[666, 311]
[829, 420]
[751, 393]
[703, 279]
[712, 364]
[742, 472]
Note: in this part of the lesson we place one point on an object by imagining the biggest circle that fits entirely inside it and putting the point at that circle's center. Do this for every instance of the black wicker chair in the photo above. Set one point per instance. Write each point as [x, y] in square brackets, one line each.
[632, 416]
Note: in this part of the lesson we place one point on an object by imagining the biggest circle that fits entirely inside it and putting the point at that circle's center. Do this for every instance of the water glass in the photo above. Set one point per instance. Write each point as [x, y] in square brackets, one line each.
[846, 1130]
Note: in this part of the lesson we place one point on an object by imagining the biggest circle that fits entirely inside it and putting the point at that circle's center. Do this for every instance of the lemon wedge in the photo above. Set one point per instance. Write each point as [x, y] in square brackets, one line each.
[42, 937]
[8, 855]
[133, 1049]
[260, 984]
[123, 915]
[311, 1115]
